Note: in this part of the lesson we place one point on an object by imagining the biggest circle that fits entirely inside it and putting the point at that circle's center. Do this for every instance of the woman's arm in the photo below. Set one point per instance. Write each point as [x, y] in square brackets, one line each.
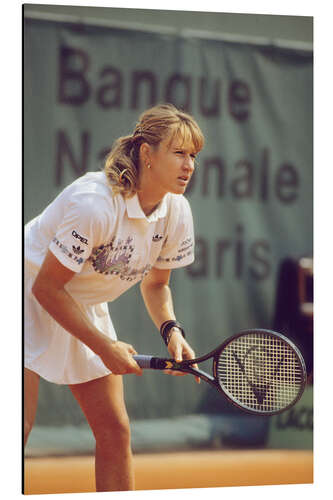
[50, 292]
[157, 297]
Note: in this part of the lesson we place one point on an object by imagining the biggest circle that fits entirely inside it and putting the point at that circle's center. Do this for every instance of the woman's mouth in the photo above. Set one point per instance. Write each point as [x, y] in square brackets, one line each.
[184, 179]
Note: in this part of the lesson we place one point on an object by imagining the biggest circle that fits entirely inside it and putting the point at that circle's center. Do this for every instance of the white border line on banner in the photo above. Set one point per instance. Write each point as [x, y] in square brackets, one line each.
[169, 31]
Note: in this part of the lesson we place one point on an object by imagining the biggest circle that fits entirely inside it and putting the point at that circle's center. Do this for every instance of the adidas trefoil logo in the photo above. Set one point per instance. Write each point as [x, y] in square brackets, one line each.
[157, 237]
[77, 250]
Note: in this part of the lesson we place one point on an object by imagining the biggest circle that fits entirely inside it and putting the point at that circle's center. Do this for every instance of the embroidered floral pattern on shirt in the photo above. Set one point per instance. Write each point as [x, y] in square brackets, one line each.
[67, 252]
[114, 258]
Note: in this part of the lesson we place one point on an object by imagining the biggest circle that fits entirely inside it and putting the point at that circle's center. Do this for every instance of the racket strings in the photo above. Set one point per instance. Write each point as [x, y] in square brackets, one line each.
[261, 372]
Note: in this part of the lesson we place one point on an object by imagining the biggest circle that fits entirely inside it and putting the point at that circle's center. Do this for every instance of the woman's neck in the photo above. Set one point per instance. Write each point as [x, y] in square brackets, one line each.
[149, 203]
[150, 196]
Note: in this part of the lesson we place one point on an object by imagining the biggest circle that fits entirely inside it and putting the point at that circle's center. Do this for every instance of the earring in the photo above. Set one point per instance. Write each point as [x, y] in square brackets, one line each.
[148, 166]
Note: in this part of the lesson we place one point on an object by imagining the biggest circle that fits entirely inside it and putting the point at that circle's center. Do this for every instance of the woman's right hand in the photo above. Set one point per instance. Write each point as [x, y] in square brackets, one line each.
[118, 357]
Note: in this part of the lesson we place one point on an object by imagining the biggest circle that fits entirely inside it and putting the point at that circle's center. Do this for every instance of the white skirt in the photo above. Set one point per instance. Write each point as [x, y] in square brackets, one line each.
[54, 353]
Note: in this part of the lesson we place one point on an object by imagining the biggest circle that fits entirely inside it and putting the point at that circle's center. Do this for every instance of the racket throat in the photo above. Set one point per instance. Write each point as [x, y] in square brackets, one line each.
[205, 376]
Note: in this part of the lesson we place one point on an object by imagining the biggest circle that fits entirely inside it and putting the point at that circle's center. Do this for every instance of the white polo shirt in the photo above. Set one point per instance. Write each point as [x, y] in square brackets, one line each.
[110, 244]
[108, 240]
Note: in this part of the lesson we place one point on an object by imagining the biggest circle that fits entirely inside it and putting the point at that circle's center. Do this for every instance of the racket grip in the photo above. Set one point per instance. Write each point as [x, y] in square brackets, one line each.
[143, 360]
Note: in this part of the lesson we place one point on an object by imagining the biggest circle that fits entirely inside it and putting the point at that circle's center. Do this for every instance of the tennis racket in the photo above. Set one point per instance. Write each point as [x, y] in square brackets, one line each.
[260, 371]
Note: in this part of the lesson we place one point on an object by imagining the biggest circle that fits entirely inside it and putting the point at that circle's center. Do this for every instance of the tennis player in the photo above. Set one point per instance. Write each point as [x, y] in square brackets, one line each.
[104, 233]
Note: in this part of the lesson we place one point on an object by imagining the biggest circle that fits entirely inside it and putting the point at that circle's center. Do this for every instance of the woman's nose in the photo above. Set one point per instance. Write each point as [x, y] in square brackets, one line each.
[189, 162]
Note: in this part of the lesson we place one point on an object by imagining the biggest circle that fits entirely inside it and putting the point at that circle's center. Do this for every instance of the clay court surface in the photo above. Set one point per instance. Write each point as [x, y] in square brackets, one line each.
[197, 469]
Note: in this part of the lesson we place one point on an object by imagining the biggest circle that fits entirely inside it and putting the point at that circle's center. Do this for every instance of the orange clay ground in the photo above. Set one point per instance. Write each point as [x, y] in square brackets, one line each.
[197, 469]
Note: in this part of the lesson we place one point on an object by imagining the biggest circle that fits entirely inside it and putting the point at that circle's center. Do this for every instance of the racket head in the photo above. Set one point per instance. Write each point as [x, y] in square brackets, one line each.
[260, 371]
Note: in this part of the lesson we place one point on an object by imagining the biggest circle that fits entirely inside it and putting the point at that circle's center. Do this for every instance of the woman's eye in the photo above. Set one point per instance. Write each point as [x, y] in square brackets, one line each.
[182, 153]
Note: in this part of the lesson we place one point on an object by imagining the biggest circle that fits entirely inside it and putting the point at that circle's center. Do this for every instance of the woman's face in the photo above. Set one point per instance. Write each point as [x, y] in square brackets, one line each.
[171, 165]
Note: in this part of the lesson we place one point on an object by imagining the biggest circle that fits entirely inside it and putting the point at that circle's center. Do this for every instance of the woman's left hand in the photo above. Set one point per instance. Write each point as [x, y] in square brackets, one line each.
[179, 350]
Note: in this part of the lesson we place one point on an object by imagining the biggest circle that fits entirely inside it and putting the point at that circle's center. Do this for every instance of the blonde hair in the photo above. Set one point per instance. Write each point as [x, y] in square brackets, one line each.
[122, 163]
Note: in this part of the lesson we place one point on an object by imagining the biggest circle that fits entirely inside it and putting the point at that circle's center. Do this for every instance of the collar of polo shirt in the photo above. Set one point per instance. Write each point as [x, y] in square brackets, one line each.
[134, 210]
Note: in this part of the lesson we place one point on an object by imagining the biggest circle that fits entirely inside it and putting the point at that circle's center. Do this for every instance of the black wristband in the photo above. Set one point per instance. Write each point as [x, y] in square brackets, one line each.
[165, 330]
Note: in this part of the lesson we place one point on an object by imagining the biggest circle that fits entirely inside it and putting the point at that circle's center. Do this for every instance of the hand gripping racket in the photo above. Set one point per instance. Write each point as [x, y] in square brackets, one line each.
[259, 371]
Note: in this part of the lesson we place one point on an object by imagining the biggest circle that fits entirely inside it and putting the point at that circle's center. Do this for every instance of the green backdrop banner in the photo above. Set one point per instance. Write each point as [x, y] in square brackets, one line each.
[251, 194]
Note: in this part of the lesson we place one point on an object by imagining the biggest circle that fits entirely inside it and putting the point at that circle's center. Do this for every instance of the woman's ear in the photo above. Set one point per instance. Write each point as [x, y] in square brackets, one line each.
[144, 152]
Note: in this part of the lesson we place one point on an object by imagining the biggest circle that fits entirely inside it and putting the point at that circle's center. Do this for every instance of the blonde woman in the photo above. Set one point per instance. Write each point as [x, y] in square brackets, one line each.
[103, 234]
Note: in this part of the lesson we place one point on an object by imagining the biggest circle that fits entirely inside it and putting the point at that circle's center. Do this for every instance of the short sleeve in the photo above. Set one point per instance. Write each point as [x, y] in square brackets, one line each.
[79, 231]
[178, 249]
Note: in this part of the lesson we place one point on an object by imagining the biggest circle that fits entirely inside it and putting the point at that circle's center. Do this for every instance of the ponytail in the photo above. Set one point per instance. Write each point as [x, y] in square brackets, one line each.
[121, 166]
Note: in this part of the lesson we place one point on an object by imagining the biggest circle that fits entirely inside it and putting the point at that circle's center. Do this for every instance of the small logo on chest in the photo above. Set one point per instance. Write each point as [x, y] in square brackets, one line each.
[77, 250]
[157, 237]
[83, 240]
